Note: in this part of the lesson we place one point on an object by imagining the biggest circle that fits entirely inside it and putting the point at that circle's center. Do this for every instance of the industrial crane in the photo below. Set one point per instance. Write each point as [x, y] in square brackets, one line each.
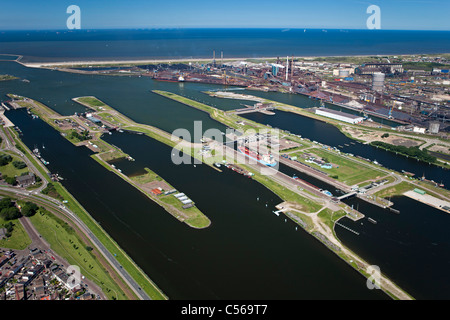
[390, 112]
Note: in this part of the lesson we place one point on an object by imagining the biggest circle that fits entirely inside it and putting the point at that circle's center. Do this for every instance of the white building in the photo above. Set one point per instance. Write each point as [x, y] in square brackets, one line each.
[338, 115]
[419, 130]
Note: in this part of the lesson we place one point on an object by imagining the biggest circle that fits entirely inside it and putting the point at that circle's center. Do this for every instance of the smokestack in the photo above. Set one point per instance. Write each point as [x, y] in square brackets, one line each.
[287, 67]
[292, 68]
[221, 58]
[214, 58]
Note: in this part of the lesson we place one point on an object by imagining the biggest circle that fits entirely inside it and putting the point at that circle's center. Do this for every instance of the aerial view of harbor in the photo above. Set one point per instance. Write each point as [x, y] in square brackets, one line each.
[192, 151]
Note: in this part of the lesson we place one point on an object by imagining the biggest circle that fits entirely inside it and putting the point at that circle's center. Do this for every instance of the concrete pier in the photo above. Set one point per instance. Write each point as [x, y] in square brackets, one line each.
[429, 200]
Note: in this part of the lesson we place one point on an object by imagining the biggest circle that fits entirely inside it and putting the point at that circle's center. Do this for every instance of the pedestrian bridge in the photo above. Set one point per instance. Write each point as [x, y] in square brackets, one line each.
[347, 195]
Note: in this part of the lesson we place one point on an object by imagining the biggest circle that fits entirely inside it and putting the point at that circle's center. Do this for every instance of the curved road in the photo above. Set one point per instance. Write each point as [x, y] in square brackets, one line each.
[59, 207]
[55, 205]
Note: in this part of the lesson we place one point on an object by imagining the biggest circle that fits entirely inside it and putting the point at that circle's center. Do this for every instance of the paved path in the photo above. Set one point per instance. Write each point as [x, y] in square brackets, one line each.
[39, 242]
[60, 208]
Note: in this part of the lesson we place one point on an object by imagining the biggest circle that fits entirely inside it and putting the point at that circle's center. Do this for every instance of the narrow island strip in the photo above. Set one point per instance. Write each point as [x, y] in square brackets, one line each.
[87, 131]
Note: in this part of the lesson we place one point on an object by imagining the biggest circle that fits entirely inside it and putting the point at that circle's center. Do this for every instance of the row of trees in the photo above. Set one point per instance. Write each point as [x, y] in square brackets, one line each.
[9, 210]
[6, 159]
[414, 152]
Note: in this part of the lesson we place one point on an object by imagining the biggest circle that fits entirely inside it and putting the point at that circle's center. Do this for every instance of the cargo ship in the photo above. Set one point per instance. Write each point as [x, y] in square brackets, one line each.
[266, 159]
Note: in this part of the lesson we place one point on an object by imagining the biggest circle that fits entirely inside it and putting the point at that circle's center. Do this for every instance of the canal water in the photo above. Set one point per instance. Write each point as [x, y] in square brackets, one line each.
[412, 248]
[246, 241]
[328, 134]
[247, 252]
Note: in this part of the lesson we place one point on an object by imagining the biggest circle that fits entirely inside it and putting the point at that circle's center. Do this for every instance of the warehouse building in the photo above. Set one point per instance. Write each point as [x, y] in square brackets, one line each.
[338, 115]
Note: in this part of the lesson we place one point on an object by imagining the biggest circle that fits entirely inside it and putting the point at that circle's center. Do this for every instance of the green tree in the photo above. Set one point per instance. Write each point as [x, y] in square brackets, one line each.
[19, 164]
[10, 180]
[6, 203]
[10, 213]
[5, 159]
[29, 209]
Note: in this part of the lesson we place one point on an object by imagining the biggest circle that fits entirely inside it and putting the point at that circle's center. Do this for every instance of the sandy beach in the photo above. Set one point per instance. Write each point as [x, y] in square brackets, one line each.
[121, 62]
[175, 60]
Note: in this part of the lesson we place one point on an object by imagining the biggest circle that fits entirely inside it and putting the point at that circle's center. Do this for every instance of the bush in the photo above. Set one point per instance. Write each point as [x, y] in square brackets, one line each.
[19, 164]
[9, 226]
[51, 191]
[5, 159]
[386, 135]
[10, 213]
[29, 209]
[6, 203]
[10, 180]
[414, 152]
[83, 136]
[19, 147]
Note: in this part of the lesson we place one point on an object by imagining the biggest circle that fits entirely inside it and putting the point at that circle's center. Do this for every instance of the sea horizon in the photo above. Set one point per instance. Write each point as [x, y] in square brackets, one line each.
[46, 46]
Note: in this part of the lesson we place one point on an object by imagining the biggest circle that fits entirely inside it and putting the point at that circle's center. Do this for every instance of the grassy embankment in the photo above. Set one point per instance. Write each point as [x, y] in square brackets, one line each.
[10, 169]
[6, 77]
[191, 216]
[345, 169]
[229, 120]
[19, 239]
[67, 243]
[404, 186]
[339, 125]
[306, 204]
[135, 272]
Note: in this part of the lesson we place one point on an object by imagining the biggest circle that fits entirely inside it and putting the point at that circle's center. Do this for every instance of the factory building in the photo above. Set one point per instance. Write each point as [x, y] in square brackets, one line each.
[378, 81]
[338, 115]
[434, 127]
[387, 68]
[343, 72]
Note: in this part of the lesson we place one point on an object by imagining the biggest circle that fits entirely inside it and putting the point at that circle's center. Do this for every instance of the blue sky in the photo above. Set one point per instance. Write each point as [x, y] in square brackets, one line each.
[338, 14]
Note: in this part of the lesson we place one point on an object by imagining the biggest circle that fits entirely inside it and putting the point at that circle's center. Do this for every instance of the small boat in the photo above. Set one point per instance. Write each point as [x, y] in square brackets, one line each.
[372, 220]
[276, 213]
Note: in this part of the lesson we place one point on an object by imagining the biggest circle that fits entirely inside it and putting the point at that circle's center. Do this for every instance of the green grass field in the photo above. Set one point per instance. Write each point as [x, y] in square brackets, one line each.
[147, 177]
[19, 239]
[329, 217]
[286, 194]
[66, 243]
[91, 101]
[196, 218]
[9, 169]
[138, 275]
[395, 190]
[346, 169]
